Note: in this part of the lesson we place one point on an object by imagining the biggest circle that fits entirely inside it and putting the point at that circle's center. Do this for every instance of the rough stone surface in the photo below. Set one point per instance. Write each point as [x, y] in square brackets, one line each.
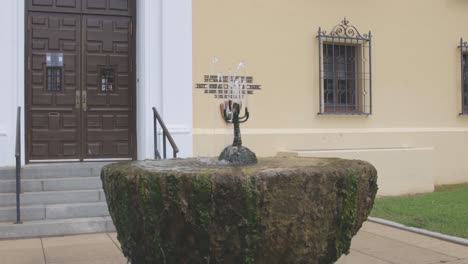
[238, 155]
[282, 210]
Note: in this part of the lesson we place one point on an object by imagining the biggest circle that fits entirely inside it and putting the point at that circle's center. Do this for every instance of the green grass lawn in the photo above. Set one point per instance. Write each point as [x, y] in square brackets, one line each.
[444, 211]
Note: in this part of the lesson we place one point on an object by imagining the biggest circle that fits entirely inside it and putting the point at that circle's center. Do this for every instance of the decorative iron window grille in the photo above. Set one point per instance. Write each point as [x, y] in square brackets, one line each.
[464, 76]
[54, 79]
[107, 80]
[345, 65]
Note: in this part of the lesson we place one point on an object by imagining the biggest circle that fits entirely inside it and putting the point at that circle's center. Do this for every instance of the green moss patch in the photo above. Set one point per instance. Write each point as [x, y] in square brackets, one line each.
[280, 211]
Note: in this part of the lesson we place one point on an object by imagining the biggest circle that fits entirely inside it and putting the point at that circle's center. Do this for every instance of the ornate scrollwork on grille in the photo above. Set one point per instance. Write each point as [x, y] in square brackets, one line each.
[344, 29]
[463, 44]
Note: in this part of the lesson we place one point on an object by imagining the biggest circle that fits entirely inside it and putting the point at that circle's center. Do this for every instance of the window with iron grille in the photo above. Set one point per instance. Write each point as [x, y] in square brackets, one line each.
[345, 71]
[464, 76]
[54, 79]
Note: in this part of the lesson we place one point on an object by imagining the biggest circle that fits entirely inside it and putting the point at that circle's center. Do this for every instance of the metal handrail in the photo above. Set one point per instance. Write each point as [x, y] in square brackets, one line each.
[166, 135]
[18, 165]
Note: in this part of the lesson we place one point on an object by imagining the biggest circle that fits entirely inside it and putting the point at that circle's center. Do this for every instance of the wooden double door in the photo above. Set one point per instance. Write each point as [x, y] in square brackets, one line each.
[80, 80]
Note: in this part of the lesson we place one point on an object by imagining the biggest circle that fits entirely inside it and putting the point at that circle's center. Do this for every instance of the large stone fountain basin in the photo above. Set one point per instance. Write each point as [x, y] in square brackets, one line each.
[281, 210]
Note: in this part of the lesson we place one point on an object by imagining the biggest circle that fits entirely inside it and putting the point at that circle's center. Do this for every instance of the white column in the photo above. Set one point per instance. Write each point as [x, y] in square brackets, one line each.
[20, 73]
[164, 72]
[149, 71]
[177, 72]
[11, 77]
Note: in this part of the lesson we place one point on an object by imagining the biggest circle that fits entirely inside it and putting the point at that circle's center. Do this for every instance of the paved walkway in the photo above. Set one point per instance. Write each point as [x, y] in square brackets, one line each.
[382, 244]
[374, 244]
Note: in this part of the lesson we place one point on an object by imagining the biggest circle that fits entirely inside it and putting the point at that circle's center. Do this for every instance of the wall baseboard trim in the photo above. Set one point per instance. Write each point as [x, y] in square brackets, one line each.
[297, 131]
[312, 151]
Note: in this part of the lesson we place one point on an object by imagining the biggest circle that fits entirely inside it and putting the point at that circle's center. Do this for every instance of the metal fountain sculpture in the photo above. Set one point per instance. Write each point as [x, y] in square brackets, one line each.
[236, 153]
[231, 110]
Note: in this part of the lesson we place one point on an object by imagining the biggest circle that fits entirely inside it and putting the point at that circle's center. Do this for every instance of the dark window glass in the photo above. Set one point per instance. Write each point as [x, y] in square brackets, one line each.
[339, 65]
[107, 80]
[54, 79]
[465, 80]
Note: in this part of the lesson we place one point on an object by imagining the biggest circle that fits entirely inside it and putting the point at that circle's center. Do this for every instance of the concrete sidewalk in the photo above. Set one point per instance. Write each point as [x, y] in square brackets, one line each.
[377, 243]
[374, 244]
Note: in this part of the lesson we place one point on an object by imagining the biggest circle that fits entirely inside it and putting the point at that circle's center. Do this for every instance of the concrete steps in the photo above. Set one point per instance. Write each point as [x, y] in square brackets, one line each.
[57, 199]
[54, 211]
[55, 184]
[56, 227]
[57, 170]
[30, 198]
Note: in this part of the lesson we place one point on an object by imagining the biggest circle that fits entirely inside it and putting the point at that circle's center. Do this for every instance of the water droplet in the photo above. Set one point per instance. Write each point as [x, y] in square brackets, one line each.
[240, 65]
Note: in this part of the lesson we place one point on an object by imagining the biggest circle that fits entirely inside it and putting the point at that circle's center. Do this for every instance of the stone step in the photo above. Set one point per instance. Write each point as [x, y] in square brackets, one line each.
[53, 197]
[54, 211]
[57, 199]
[57, 170]
[58, 184]
[56, 227]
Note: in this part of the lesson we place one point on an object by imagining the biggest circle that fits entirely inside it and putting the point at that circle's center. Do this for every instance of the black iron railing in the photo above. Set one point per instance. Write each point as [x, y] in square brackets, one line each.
[166, 135]
[18, 165]
[464, 76]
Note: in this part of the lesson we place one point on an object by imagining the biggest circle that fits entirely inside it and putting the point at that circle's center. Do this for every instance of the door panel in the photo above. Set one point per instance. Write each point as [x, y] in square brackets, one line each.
[52, 118]
[107, 60]
[80, 84]
[104, 7]
[73, 6]
[109, 7]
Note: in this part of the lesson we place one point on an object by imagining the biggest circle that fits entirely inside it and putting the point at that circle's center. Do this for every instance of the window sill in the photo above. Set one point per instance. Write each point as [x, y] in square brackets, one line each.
[345, 114]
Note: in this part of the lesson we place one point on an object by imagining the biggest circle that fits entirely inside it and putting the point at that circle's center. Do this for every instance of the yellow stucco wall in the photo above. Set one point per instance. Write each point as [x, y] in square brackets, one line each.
[416, 84]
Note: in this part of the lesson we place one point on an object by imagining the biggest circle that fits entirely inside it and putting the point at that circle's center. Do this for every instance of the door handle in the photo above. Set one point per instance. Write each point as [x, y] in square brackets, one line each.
[77, 99]
[84, 102]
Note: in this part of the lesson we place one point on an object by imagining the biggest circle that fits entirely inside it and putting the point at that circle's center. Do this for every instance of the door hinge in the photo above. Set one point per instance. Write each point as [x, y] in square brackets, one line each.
[131, 66]
[29, 23]
[29, 62]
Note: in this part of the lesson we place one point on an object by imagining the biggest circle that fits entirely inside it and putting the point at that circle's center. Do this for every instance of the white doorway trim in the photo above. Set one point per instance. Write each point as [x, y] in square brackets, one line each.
[164, 72]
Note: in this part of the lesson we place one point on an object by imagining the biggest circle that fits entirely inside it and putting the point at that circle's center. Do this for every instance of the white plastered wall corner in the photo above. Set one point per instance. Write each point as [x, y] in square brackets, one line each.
[11, 77]
[164, 72]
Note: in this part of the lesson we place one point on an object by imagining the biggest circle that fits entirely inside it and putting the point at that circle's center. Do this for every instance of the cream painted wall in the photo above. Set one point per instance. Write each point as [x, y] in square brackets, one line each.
[416, 81]
[400, 170]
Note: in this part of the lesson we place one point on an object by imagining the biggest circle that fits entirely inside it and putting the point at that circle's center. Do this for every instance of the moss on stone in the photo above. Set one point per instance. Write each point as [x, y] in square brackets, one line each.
[120, 198]
[202, 212]
[290, 210]
[151, 207]
[251, 241]
[347, 214]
